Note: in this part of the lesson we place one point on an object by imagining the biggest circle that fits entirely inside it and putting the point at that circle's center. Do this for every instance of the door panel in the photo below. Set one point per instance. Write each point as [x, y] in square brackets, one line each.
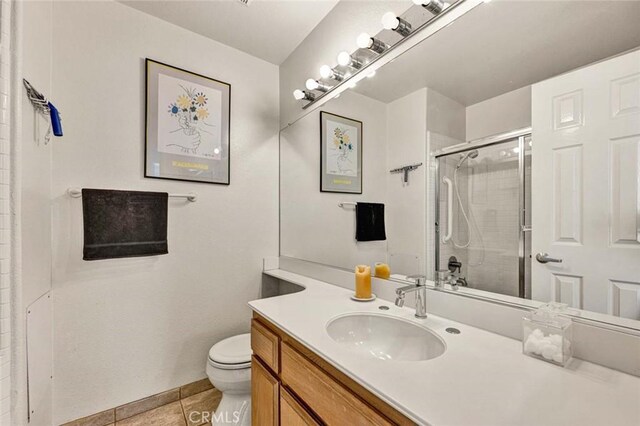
[586, 187]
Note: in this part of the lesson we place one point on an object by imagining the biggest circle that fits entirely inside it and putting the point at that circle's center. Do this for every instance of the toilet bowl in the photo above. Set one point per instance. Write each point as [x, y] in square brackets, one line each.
[229, 370]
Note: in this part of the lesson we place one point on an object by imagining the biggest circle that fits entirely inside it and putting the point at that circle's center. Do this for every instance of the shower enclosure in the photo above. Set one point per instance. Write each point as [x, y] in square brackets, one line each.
[483, 200]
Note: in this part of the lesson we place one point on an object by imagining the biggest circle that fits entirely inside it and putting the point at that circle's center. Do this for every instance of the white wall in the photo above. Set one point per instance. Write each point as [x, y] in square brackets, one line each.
[6, 224]
[313, 227]
[129, 328]
[35, 230]
[406, 144]
[510, 111]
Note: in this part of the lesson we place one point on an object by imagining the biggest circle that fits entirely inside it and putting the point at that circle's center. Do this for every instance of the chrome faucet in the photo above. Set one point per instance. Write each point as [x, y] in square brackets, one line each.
[421, 294]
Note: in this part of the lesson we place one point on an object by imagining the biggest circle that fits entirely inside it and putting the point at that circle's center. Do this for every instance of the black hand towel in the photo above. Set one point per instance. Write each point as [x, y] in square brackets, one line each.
[370, 222]
[124, 223]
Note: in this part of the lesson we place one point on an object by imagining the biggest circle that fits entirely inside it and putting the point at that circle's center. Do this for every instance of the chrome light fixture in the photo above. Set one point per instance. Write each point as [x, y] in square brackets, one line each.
[346, 60]
[365, 41]
[301, 95]
[327, 72]
[433, 6]
[312, 84]
[392, 22]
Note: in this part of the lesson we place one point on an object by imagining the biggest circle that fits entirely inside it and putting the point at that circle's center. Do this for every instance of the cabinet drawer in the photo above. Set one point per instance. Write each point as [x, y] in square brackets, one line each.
[265, 345]
[333, 403]
[292, 413]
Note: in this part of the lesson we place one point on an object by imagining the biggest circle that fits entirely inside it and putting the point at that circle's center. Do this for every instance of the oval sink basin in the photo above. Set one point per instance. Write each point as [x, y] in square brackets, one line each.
[385, 337]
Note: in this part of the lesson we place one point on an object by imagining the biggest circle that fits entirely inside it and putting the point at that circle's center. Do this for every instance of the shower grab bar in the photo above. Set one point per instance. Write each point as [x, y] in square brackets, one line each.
[447, 236]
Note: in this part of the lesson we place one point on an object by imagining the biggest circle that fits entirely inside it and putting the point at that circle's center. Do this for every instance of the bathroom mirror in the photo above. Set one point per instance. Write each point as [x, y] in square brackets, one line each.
[528, 188]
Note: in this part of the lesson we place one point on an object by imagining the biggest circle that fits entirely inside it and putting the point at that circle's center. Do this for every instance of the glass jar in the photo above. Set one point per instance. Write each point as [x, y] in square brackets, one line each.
[547, 334]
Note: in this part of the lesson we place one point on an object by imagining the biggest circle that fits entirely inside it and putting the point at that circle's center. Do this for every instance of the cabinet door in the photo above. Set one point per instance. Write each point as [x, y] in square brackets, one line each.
[292, 413]
[265, 396]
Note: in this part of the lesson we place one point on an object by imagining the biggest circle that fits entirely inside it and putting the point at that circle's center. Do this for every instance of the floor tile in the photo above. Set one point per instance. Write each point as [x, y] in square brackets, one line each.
[195, 387]
[198, 408]
[167, 415]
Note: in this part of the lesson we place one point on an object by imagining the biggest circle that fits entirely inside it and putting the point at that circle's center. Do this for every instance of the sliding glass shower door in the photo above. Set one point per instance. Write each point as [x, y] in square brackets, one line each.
[483, 213]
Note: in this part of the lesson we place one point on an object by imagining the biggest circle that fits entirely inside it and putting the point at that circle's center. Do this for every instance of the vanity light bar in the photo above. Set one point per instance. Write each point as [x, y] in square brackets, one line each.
[390, 21]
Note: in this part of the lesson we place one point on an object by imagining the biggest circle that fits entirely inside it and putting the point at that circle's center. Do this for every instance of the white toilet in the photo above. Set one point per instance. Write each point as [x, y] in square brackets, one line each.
[229, 369]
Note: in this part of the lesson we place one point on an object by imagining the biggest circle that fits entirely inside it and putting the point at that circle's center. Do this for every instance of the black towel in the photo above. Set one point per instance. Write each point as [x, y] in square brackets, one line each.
[124, 223]
[370, 222]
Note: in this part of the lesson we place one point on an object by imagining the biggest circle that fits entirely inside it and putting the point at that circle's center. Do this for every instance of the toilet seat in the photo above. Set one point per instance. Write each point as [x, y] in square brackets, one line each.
[233, 353]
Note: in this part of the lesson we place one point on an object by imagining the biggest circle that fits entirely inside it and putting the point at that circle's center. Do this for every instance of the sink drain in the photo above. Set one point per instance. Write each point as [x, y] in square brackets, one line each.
[383, 308]
[452, 330]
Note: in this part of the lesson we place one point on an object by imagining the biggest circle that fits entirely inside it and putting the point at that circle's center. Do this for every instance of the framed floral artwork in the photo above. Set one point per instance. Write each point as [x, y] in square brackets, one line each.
[340, 154]
[187, 120]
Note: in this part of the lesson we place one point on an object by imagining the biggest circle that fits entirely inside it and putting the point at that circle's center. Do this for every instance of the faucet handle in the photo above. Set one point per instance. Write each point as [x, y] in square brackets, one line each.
[419, 279]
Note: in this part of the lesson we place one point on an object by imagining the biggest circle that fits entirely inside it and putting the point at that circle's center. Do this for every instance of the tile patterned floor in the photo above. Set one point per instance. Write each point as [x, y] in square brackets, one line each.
[194, 410]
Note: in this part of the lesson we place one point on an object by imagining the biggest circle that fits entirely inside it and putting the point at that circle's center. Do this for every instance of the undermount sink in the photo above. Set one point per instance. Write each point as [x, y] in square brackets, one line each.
[385, 337]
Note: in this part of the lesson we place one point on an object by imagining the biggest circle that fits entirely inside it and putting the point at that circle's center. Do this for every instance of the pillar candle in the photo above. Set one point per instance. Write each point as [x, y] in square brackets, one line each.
[382, 270]
[363, 282]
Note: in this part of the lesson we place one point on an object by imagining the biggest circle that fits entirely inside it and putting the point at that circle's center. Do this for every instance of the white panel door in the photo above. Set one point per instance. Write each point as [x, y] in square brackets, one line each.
[586, 187]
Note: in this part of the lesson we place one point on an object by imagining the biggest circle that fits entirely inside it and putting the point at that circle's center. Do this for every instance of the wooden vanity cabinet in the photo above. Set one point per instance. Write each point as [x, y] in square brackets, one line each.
[292, 386]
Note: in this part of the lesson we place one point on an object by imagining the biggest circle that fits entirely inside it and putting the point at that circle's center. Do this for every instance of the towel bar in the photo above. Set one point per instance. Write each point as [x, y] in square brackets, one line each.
[346, 203]
[191, 196]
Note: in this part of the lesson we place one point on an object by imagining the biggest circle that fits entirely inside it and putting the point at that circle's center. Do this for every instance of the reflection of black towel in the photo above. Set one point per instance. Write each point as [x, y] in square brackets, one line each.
[370, 222]
[124, 223]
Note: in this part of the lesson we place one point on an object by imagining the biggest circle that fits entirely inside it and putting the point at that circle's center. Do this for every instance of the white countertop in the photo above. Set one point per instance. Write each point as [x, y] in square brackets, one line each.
[481, 379]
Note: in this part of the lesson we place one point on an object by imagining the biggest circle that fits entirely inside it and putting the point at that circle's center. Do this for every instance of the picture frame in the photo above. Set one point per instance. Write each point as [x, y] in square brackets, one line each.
[187, 125]
[340, 154]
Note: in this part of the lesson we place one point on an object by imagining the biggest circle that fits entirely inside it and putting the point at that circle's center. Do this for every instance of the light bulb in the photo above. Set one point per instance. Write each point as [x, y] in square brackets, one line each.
[326, 71]
[344, 59]
[390, 21]
[364, 41]
[298, 94]
[311, 84]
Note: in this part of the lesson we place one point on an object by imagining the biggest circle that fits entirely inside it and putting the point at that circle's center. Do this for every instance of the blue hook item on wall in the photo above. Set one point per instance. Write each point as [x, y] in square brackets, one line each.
[56, 123]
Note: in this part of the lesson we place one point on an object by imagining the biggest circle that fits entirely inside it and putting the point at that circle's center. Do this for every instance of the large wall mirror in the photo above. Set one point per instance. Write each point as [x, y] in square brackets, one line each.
[527, 152]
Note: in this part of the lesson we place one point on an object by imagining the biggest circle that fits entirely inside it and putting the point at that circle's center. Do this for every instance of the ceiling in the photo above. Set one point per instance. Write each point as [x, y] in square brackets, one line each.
[267, 29]
[505, 45]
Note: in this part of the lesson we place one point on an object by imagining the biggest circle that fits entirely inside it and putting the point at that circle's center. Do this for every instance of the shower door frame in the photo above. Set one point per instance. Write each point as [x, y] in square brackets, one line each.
[520, 135]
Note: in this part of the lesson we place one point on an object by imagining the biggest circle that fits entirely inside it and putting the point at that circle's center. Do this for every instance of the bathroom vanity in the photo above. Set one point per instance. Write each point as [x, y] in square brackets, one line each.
[292, 385]
[306, 370]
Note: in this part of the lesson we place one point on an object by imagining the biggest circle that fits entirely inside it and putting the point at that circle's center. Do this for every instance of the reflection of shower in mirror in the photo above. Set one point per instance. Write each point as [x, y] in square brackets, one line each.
[471, 154]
